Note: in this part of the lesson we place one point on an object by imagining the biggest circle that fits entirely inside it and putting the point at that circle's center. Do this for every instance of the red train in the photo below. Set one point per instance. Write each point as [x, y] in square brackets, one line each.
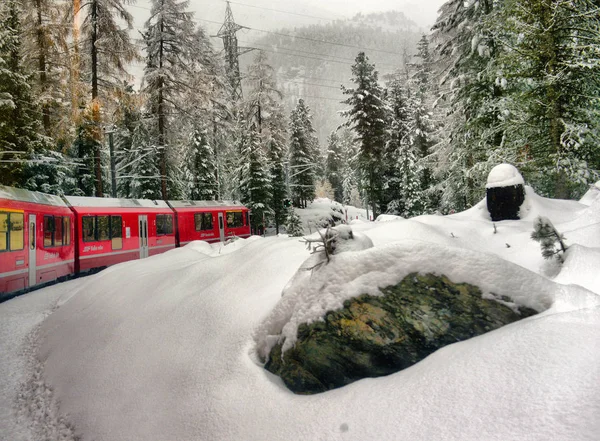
[44, 238]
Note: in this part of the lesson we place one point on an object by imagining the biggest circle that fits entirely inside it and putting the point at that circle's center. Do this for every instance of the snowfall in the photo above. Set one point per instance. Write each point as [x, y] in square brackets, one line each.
[169, 347]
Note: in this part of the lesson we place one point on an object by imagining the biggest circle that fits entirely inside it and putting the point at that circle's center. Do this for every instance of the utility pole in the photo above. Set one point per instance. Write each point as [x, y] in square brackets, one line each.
[232, 52]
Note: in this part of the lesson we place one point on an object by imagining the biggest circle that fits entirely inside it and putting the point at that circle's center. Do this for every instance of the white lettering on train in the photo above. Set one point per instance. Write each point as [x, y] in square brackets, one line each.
[93, 248]
[48, 256]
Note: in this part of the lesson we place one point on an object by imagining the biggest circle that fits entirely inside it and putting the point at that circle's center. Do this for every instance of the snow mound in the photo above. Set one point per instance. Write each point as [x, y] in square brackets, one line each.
[504, 175]
[591, 195]
[388, 218]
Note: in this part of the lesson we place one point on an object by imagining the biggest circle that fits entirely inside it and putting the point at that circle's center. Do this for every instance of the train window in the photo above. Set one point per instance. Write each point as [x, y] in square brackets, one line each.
[87, 228]
[16, 231]
[3, 231]
[116, 232]
[234, 219]
[58, 232]
[164, 224]
[48, 231]
[66, 221]
[203, 221]
[103, 227]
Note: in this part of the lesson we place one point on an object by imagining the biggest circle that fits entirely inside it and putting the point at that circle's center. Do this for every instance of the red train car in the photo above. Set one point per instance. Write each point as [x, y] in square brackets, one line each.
[36, 239]
[110, 231]
[211, 221]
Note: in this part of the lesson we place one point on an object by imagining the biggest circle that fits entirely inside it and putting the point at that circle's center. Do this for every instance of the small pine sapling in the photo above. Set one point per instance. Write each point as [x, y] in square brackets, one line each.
[293, 224]
[545, 233]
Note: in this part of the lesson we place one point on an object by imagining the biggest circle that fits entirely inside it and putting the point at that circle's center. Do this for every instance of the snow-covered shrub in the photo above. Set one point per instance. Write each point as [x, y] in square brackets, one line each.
[545, 233]
[293, 224]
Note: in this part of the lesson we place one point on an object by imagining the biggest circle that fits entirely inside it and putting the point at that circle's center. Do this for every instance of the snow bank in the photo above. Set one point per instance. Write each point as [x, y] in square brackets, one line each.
[162, 348]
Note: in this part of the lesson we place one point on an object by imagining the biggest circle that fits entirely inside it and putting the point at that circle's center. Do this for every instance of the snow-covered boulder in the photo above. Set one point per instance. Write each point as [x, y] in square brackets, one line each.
[505, 192]
[373, 336]
[373, 312]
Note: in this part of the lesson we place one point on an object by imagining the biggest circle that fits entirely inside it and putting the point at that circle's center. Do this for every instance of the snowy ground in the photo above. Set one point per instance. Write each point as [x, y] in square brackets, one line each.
[163, 349]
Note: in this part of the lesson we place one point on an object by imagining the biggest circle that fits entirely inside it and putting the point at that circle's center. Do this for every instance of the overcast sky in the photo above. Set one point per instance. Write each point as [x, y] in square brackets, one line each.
[273, 14]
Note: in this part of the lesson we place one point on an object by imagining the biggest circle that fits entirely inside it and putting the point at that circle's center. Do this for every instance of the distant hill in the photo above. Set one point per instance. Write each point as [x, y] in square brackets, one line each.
[310, 69]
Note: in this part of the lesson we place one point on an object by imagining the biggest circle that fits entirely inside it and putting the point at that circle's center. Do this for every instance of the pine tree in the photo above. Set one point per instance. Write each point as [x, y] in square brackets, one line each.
[367, 117]
[19, 128]
[145, 176]
[293, 224]
[466, 55]
[255, 180]
[110, 49]
[553, 70]
[265, 110]
[302, 151]
[201, 168]
[334, 165]
[128, 117]
[545, 233]
[171, 42]
[46, 52]
[402, 174]
[274, 138]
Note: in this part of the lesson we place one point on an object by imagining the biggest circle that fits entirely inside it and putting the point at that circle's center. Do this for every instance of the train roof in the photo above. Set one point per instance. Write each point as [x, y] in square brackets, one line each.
[82, 201]
[22, 195]
[206, 204]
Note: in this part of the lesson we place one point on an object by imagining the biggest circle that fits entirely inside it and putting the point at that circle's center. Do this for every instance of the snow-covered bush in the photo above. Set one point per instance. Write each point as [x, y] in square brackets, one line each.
[293, 224]
[545, 233]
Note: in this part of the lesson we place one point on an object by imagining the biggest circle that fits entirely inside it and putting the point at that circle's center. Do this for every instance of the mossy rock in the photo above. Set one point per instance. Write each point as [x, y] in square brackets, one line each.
[372, 336]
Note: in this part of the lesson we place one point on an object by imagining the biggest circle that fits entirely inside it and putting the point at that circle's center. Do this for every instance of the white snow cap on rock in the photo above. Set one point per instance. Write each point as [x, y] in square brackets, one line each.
[504, 175]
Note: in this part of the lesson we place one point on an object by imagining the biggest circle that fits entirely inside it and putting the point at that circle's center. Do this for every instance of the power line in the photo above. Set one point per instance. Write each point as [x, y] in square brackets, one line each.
[314, 40]
[284, 12]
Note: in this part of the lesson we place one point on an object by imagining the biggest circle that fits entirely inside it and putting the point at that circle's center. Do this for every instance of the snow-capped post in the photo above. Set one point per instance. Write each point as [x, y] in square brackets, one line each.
[505, 192]
[545, 233]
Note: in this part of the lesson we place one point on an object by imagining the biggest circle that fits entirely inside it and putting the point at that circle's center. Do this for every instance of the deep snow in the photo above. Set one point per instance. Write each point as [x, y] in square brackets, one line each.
[165, 349]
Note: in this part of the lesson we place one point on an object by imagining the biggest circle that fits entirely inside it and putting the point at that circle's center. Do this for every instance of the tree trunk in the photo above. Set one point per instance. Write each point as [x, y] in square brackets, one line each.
[161, 124]
[42, 66]
[372, 191]
[95, 101]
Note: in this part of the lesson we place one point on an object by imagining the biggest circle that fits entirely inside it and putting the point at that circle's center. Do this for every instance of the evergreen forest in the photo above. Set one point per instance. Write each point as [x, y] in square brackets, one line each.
[414, 131]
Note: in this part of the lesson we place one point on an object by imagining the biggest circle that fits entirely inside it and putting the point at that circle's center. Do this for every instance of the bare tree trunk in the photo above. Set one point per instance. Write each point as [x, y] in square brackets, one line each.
[161, 123]
[95, 101]
[42, 66]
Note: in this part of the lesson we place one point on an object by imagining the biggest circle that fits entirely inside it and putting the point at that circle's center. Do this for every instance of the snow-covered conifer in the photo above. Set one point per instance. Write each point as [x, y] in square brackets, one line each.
[545, 233]
[367, 117]
[302, 155]
[293, 223]
[200, 169]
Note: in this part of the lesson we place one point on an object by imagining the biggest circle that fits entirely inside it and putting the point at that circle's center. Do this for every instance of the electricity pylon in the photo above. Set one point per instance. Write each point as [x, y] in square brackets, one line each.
[232, 52]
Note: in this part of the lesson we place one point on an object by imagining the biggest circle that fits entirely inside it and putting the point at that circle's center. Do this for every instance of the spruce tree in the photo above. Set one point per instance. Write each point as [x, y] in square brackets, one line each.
[255, 180]
[333, 166]
[293, 225]
[302, 155]
[402, 174]
[171, 42]
[108, 49]
[553, 71]
[367, 117]
[19, 127]
[466, 53]
[145, 175]
[201, 168]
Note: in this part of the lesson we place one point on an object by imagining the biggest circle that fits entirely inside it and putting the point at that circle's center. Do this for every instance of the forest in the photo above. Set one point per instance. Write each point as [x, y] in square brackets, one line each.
[494, 81]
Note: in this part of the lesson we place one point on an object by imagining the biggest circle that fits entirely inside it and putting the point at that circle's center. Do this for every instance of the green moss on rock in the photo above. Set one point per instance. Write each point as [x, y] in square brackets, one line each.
[373, 336]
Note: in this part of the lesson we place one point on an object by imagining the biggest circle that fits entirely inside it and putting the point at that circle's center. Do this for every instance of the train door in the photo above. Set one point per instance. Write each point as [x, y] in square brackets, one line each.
[143, 227]
[221, 227]
[32, 250]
